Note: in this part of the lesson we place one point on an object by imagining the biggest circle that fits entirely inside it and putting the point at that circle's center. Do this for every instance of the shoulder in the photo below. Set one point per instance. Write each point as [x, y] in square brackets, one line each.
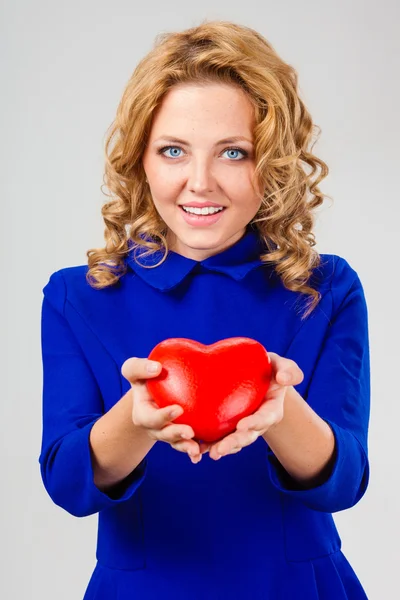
[334, 270]
[64, 283]
[338, 277]
[70, 287]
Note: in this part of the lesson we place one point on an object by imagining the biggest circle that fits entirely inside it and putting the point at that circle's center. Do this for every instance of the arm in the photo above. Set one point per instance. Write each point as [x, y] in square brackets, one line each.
[72, 406]
[302, 442]
[339, 393]
[117, 445]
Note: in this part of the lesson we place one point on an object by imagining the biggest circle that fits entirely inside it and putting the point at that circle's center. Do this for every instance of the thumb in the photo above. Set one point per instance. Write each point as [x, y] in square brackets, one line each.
[135, 368]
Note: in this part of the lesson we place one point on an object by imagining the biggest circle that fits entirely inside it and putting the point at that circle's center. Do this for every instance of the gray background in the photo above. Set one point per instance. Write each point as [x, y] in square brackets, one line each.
[65, 65]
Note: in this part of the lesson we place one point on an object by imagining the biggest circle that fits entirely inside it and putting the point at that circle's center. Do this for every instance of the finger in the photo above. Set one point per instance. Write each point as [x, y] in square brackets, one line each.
[144, 414]
[256, 421]
[205, 447]
[183, 446]
[173, 433]
[229, 444]
[286, 377]
[270, 412]
[235, 442]
[287, 371]
[140, 368]
[248, 423]
[191, 448]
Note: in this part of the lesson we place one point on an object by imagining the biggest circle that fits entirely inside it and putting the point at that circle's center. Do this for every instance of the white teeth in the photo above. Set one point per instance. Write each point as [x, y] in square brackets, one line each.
[210, 210]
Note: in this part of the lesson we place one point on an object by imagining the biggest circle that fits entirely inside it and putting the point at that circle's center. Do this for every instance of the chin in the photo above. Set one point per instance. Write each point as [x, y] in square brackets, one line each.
[206, 240]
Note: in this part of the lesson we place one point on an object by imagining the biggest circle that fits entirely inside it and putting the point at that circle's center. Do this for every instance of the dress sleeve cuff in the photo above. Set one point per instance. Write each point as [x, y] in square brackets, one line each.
[343, 482]
[70, 479]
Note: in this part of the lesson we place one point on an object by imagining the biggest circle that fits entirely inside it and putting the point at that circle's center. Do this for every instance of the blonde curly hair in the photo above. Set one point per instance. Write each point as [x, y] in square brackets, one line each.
[216, 51]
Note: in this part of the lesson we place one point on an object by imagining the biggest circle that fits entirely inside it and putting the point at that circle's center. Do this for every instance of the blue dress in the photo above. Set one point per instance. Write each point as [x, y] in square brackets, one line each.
[240, 527]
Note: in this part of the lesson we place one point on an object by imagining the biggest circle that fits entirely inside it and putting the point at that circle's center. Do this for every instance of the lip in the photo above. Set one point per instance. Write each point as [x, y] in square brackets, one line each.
[203, 205]
[200, 220]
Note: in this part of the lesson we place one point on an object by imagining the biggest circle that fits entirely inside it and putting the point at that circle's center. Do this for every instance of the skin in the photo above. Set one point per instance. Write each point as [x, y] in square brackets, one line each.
[159, 422]
[204, 170]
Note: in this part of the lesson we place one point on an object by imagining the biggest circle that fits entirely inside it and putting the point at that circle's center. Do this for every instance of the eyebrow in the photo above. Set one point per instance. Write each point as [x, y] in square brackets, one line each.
[231, 140]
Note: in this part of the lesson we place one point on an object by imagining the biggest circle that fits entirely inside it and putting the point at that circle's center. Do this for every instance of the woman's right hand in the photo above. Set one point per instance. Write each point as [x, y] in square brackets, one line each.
[157, 422]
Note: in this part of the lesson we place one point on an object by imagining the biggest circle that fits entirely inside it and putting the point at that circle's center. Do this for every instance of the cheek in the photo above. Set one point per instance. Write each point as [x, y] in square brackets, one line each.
[241, 192]
[165, 182]
[239, 178]
[159, 172]
[166, 190]
[164, 196]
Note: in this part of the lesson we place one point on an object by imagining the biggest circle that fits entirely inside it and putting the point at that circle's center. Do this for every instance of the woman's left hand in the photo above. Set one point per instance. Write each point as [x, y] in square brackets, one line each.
[285, 373]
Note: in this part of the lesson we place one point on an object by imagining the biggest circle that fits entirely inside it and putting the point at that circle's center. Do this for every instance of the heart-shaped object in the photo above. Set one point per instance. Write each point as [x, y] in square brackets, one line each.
[216, 385]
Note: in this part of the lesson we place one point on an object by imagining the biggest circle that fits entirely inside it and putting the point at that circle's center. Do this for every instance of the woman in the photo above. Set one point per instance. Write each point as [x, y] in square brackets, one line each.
[209, 236]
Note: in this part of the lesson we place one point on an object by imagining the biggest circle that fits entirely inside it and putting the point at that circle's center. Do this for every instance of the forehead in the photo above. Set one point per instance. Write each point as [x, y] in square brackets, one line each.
[213, 104]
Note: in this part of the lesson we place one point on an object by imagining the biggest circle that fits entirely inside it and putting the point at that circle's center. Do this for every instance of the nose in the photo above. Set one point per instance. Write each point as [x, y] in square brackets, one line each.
[200, 179]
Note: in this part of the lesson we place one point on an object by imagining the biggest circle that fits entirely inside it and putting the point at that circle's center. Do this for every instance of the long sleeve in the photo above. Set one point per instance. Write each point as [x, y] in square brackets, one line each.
[339, 392]
[72, 403]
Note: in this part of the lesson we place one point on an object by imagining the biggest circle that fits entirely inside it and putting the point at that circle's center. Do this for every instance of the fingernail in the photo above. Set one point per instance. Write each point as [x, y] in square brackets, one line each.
[174, 413]
[152, 367]
[285, 376]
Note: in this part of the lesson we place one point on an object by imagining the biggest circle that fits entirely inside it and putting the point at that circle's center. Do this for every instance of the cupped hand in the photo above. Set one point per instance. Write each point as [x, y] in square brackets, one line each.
[157, 422]
[285, 373]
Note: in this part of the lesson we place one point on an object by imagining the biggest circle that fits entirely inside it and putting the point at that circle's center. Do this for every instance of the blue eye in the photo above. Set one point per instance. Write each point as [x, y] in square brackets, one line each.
[162, 150]
[175, 150]
[242, 152]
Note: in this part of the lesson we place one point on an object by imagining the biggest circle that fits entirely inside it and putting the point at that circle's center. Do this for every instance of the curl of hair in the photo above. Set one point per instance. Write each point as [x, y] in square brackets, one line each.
[225, 52]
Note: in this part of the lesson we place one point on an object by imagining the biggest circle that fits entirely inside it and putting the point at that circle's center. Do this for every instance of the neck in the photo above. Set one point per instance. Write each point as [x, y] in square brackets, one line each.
[200, 254]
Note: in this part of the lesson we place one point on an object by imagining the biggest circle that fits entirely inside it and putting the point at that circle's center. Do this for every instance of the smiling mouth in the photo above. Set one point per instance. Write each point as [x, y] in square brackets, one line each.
[199, 212]
[202, 219]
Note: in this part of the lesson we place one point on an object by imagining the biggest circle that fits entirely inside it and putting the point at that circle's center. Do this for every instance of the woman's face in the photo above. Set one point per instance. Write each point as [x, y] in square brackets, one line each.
[193, 161]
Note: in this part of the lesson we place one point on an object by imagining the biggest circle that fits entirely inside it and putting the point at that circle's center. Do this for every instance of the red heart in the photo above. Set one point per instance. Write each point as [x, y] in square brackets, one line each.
[216, 385]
